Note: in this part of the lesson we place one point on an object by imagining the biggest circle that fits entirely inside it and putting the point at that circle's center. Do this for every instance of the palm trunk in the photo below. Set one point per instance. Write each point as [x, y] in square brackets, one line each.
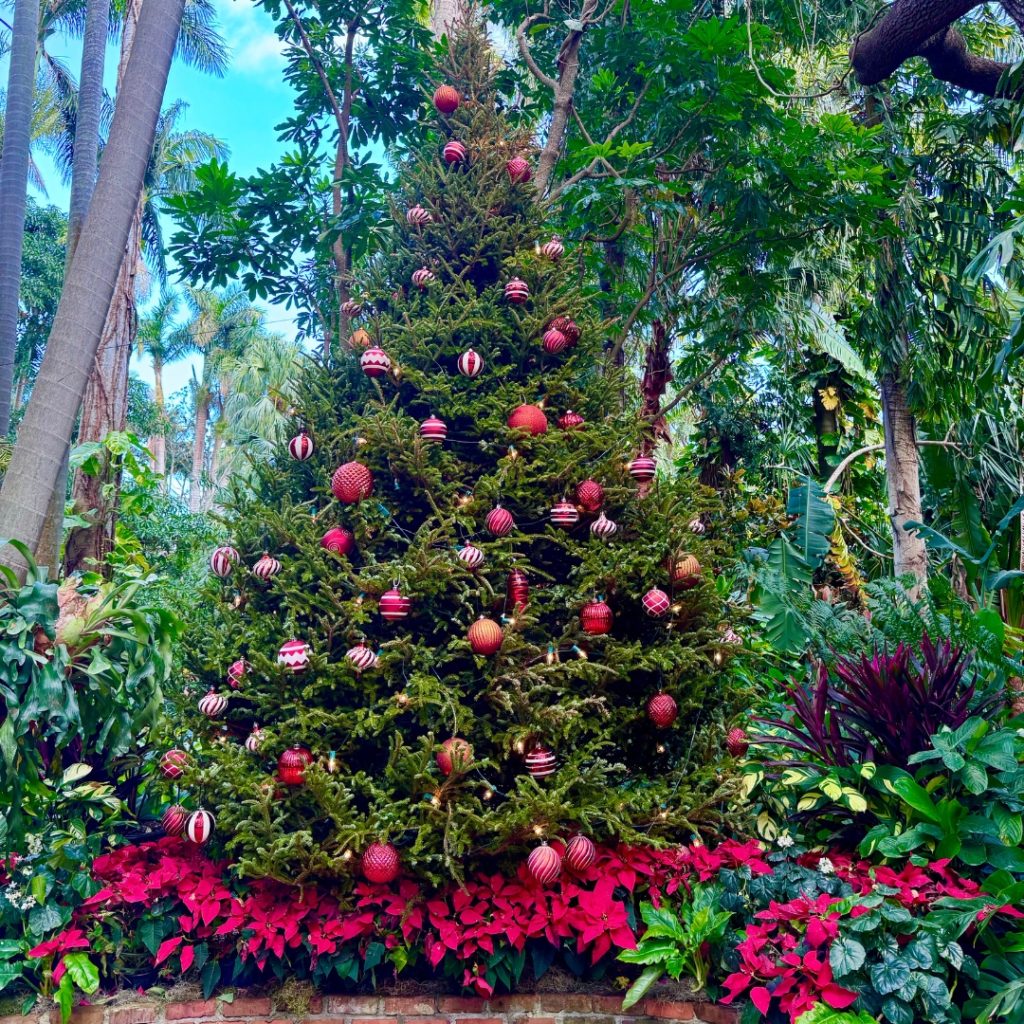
[903, 482]
[89, 286]
[158, 441]
[21, 74]
[195, 489]
[215, 470]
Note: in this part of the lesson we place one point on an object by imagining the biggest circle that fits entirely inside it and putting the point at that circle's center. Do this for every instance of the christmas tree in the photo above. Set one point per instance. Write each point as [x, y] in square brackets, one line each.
[461, 615]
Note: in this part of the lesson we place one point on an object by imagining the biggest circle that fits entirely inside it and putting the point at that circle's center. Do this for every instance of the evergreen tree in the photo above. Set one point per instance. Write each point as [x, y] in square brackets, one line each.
[380, 696]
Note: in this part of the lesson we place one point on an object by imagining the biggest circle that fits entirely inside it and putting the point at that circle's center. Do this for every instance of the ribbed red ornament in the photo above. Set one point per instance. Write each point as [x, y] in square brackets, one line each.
[351, 308]
[455, 755]
[173, 764]
[554, 341]
[381, 863]
[173, 820]
[471, 556]
[499, 522]
[518, 589]
[470, 363]
[301, 446]
[589, 495]
[433, 429]
[570, 420]
[568, 327]
[529, 418]
[596, 618]
[662, 710]
[553, 249]
[485, 637]
[656, 603]
[213, 704]
[737, 743]
[394, 605]
[517, 291]
[564, 513]
[223, 560]
[603, 527]
[361, 657]
[375, 362]
[352, 482]
[580, 853]
[338, 540]
[446, 99]
[544, 864]
[685, 572]
[266, 566]
[518, 170]
[454, 152]
[291, 765]
[422, 277]
[541, 762]
[643, 468]
[199, 827]
[417, 216]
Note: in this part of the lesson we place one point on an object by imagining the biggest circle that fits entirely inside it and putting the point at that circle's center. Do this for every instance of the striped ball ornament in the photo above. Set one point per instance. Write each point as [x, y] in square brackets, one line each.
[292, 764]
[422, 277]
[518, 170]
[564, 513]
[544, 864]
[603, 527]
[541, 762]
[471, 556]
[454, 152]
[255, 739]
[361, 657]
[213, 704]
[199, 827]
[338, 540]
[301, 446]
[662, 710]
[568, 327]
[359, 340]
[381, 863]
[173, 764]
[736, 743]
[596, 618]
[499, 522]
[530, 419]
[553, 250]
[417, 216]
[554, 341]
[643, 467]
[656, 603]
[517, 589]
[580, 853]
[223, 560]
[470, 363]
[685, 572]
[352, 482]
[394, 605]
[570, 420]
[485, 637]
[237, 671]
[433, 429]
[696, 526]
[517, 291]
[589, 495]
[375, 362]
[351, 308]
[294, 655]
[446, 99]
[266, 567]
[173, 820]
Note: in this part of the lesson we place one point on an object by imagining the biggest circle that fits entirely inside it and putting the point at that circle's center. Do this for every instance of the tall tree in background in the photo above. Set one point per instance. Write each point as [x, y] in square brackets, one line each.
[21, 76]
[159, 339]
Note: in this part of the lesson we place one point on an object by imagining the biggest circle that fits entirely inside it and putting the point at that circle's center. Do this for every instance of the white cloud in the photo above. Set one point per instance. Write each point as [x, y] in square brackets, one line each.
[255, 48]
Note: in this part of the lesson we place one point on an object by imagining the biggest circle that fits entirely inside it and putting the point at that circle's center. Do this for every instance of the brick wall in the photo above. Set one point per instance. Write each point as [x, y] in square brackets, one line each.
[574, 1008]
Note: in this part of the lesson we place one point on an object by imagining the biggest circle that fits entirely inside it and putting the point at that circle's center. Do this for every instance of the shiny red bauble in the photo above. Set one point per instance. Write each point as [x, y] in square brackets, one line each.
[338, 540]
[499, 522]
[394, 605]
[301, 446]
[553, 250]
[530, 419]
[662, 710]
[223, 560]
[570, 420]
[237, 671]
[294, 655]
[554, 341]
[541, 762]
[517, 291]
[173, 820]
[568, 327]
[422, 277]
[291, 765]
[455, 755]
[485, 637]
[736, 743]
[642, 468]
[266, 566]
[470, 363]
[656, 603]
[564, 513]
[173, 764]
[685, 572]
[518, 589]
[433, 429]
[454, 152]
[446, 99]
[375, 362]
[596, 618]
[199, 827]
[518, 170]
[579, 853]
[544, 864]
[381, 863]
[589, 495]
[352, 481]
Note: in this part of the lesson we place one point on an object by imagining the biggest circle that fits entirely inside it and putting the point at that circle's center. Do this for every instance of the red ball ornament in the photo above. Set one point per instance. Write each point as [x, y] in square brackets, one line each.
[291, 765]
[564, 513]
[422, 277]
[541, 762]
[266, 567]
[662, 710]
[685, 572]
[570, 420]
[530, 419]
[518, 589]
[381, 863]
[351, 309]
[417, 216]
[485, 637]
[237, 671]
[544, 864]
[352, 482]
[199, 827]
[173, 820]
[499, 522]
[656, 603]
[394, 606]
[294, 655]
[446, 99]
[580, 853]
[471, 557]
[603, 527]
[361, 657]
[213, 704]
[517, 291]
[596, 618]
[338, 540]
[173, 764]
[589, 495]
[470, 363]
[375, 362]
[454, 152]
[433, 429]
[553, 249]
[568, 327]
[643, 467]
[554, 341]
[301, 446]
[518, 170]
[455, 755]
[736, 743]
[223, 560]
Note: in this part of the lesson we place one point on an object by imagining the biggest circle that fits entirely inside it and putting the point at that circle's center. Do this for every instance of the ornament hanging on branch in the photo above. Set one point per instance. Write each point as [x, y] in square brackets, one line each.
[553, 250]
[517, 291]
[351, 308]
[517, 590]
[433, 429]
[455, 755]
[375, 362]
[359, 340]
[642, 468]
[685, 572]
[554, 341]
[568, 327]
[499, 522]
[454, 152]
[470, 363]
[530, 419]
[338, 540]
[213, 704]
[301, 446]
[471, 557]
[736, 743]
[255, 739]
[294, 655]
[446, 99]
[381, 863]
[696, 526]
[418, 216]
[173, 764]
[173, 820]
[291, 765]
[596, 618]
[223, 560]
[603, 527]
[237, 671]
[266, 567]
[393, 605]
[199, 827]
[570, 420]
[352, 482]
[422, 277]
[662, 710]
[589, 495]
[579, 853]
[361, 657]
[518, 171]
[656, 603]
[565, 514]
[541, 762]
[485, 637]
[544, 864]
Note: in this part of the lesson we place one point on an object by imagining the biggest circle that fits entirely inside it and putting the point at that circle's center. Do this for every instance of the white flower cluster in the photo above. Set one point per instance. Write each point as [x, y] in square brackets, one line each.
[18, 899]
[34, 844]
[826, 867]
[785, 841]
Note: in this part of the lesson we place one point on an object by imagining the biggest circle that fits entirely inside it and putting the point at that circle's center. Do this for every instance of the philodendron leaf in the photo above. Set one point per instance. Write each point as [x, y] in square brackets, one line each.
[814, 521]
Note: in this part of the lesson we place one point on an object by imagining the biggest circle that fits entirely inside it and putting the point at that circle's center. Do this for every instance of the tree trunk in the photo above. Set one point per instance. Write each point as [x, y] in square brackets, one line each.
[215, 470]
[903, 483]
[21, 75]
[195, 489]
[89, 286]
[158, 440]
[445, 15]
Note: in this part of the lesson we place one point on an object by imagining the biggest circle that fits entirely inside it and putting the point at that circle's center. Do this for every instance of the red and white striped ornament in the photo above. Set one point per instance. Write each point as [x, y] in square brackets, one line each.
[255, 739]
[394, 605]
[517, 291]
[422, 277]
[352, 482]
[237, 671]
[518, 170]
[446, 99]
[656, 603]
[381, 863]
[564, 513]
[517, 590]
[485, 637]
[351, 308]
[454, 152]
[173, 764]
[553, 249]
[499, 522]
[266, 567]
[662, 710]
[213, 704]
[375, 362]
[696, 526]
[580, 853]
[737, 743]
[596, 618]
[471, 556]
[603, 527]
[361, 657]
[223, 560]
[570, 420]
[684, 571]
[338, 540]
[417, 216]
[470, 363]
[455, 755]
[294, 655]
[199, 827]
[589, 495]
[568, 327]
[554, 341]
[528, 418]
[301, 446]
[544, 864]
[433, 429]
[643, 467]
[541, 762]
[731, 637]
[173, 820]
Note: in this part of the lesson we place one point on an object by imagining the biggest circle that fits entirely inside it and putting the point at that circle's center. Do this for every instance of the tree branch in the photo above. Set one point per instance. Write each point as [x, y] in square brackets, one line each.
[524, 49]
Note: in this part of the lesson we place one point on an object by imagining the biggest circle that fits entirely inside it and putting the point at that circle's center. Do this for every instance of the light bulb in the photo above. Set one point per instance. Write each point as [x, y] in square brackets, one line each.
[552, 656]
[435, 801]
[718, 657]
[512, 452]
[579, 652]
[660, 748]
[520, 747]
[538, 830]
[347, 855]
[488, 793]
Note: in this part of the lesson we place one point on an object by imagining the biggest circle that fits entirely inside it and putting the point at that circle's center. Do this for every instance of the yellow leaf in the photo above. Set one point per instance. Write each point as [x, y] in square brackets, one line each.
[808, 802]
[766, 827]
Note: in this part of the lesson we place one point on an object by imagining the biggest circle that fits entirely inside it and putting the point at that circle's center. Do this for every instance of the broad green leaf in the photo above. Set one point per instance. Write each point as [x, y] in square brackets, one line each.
[846, 955]
[83, 971]
[641, 986]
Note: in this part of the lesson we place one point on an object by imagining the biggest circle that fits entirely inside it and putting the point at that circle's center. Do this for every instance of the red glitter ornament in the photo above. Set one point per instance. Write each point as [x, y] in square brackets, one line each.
[291, 765]
[596, 618]
[541, 762]
[446, 99]
[568, 327]
[352, 482]
[662, 710]
[485, 637]
[736, 743]
[570, 420]
[554, 341]
[530, 419]
[381, 863]
[589, 495]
